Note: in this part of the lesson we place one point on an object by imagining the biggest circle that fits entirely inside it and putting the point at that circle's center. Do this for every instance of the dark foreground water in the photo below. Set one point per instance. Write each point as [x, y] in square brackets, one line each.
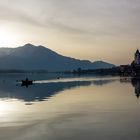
[71, 108]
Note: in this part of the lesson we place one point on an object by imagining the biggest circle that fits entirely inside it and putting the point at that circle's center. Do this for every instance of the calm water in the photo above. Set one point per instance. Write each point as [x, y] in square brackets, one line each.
[71, 108]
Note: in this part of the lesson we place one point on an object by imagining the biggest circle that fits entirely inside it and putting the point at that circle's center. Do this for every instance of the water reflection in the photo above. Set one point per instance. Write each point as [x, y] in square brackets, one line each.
[100, 109]
[42, 91]
[135, 83]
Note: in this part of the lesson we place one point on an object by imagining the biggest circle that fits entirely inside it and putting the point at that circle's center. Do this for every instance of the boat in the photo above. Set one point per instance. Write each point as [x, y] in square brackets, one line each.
[26, 82]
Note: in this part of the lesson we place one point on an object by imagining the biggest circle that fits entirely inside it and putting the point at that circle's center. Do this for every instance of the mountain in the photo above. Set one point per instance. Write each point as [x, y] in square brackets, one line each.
[30, 57]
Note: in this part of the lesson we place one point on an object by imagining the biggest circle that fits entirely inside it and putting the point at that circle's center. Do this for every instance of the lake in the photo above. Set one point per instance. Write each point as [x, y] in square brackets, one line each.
[69, 108]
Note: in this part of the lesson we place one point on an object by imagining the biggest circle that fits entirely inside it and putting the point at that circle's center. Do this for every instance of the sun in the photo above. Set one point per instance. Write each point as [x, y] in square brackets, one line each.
[8, 37]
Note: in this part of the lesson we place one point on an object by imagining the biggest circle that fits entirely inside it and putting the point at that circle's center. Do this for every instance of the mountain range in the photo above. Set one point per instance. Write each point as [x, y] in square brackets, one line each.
[31, 57]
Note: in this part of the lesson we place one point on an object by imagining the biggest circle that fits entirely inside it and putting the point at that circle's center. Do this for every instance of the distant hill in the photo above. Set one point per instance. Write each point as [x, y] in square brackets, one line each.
[30, 57]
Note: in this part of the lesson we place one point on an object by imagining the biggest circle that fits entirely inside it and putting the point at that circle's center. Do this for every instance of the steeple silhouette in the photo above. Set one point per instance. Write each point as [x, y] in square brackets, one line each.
[137, 51]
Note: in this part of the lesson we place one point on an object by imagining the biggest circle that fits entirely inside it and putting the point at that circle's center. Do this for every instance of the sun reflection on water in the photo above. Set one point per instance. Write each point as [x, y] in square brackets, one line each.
[6, 107]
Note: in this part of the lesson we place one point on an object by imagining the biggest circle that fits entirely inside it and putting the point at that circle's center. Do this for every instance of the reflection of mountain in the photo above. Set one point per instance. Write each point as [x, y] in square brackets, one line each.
[40, 92]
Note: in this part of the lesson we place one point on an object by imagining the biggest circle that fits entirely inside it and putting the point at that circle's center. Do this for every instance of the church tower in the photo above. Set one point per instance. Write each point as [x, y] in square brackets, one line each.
[137, 57]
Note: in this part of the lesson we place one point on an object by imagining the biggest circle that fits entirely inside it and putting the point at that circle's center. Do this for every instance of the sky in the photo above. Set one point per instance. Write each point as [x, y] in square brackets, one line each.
[85, 29]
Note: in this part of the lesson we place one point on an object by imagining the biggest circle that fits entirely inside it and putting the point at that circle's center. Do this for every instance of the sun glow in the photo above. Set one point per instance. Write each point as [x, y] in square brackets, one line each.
[6, 106]
[8, 37]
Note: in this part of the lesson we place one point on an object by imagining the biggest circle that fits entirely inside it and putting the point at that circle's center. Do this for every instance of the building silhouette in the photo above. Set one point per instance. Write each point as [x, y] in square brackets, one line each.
[137, 58]
[134, 68]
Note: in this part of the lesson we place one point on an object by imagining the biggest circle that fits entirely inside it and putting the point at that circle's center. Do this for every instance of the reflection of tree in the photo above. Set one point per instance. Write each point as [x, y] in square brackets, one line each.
[136, 83]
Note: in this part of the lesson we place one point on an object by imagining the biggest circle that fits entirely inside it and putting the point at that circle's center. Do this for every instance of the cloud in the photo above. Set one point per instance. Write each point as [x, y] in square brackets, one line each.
[83, 20]
[96, 17]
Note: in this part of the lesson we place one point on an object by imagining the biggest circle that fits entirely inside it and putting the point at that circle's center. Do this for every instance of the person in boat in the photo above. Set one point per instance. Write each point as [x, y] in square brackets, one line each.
[26, 79]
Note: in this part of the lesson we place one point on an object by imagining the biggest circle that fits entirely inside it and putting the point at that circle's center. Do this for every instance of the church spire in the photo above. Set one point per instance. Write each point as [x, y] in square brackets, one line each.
[137, 57]
[137, 52]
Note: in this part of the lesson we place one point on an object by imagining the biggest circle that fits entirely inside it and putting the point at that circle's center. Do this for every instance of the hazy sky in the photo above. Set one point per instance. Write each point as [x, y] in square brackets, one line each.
[86, 29]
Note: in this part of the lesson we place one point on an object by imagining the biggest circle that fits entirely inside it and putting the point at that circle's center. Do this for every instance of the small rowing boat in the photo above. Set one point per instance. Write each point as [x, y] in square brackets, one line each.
[26, 82]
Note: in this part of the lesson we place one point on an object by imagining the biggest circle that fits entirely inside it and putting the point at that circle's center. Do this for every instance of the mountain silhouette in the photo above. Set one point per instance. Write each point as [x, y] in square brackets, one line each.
[30, 57]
